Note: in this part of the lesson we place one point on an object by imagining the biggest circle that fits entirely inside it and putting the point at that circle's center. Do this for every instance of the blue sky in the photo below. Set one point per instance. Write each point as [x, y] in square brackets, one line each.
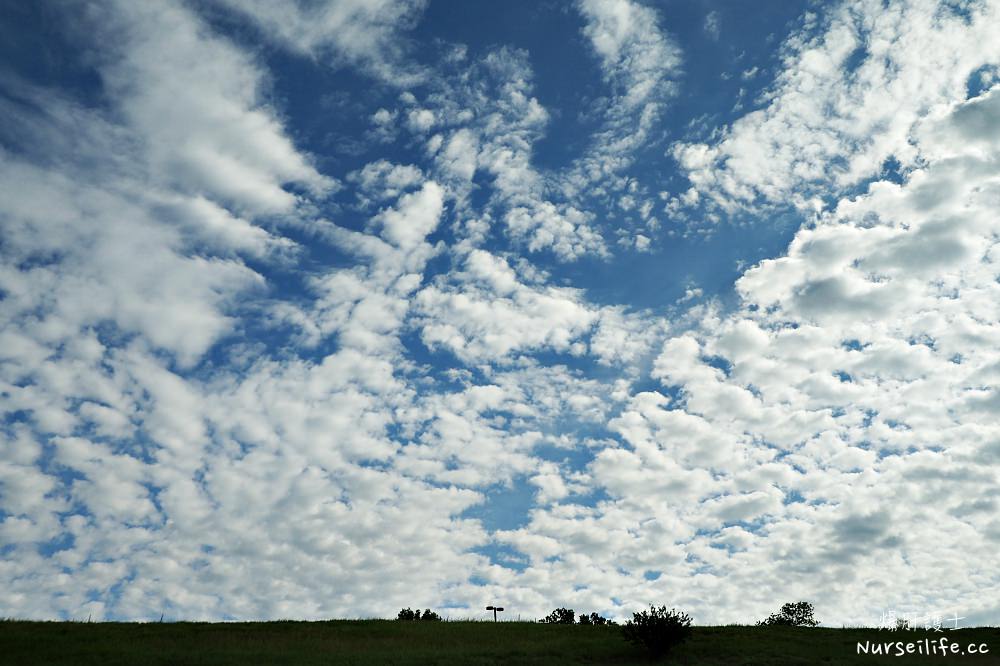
[591, 304]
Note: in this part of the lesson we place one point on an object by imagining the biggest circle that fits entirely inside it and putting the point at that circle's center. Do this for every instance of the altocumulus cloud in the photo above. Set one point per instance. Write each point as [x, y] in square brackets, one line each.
[330, 308]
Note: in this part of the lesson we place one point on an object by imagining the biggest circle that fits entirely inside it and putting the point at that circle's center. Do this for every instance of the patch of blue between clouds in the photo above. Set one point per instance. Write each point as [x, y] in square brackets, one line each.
[506, 506]
[981, 80]
[503, 555]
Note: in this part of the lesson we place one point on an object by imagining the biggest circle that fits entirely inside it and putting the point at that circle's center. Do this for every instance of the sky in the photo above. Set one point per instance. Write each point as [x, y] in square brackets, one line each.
[324, 308]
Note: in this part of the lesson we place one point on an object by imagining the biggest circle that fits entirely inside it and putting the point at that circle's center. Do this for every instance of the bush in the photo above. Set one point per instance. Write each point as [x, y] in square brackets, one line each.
[799, 614]
[658, 629]
[594, 620]
[559, 616]
[429, 615]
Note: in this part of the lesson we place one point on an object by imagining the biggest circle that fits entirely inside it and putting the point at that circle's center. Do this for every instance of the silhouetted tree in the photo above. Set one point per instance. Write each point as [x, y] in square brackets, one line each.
[428, 615]
[798, 614]
[659, 630]
[559, 616]
[593, 619]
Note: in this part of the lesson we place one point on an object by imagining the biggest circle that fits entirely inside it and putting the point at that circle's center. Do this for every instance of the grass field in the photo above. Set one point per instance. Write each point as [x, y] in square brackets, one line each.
[390, 642]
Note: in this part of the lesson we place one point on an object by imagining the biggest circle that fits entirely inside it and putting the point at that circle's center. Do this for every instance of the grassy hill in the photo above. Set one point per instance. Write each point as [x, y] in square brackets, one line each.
[390, 642]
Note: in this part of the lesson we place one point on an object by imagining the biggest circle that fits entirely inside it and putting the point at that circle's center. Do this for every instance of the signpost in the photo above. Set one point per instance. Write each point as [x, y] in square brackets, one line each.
[495, 609]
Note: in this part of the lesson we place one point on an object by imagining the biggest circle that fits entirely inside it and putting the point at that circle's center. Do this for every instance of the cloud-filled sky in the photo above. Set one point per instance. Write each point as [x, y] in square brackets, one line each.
[325, 308]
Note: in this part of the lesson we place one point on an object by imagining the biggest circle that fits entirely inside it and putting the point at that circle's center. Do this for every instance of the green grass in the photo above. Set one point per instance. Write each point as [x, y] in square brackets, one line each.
[390, 642]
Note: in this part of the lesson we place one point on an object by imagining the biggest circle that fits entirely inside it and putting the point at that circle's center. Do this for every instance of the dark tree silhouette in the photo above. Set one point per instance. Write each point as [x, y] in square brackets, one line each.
[798, 614]
[593, 619]
[659, 630]
[559, 616]
[428, 615]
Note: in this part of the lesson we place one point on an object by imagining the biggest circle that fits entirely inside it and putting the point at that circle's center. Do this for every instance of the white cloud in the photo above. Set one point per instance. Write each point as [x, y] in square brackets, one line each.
[416, 217]
[120, 264]
[516, 123]
[634, 52]
[366, 33]
[459, 156]
[493, 314]
[365, 305]
[488, 122]
[853, 85]
[712, 25]
[186, 159]
[641, 63]
[420, 120]
[196, 104]
[381, 180]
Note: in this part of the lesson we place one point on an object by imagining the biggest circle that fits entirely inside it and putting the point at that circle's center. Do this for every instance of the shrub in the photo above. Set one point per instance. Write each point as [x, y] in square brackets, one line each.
[559, 616]
[658, 629]
[594, 619]
[428, 615]
[799, 614]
